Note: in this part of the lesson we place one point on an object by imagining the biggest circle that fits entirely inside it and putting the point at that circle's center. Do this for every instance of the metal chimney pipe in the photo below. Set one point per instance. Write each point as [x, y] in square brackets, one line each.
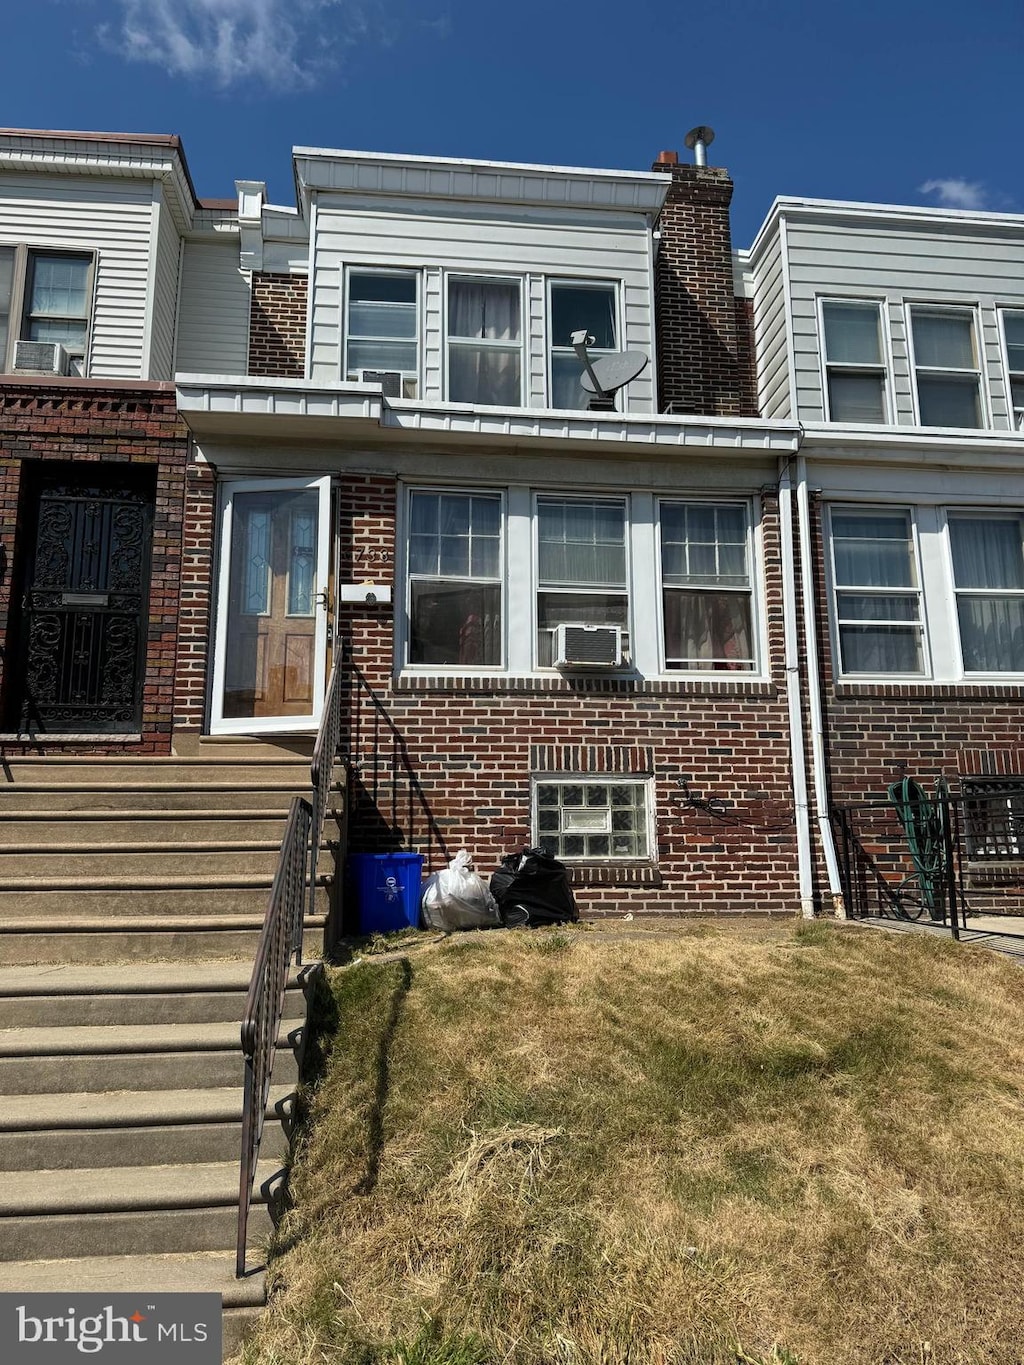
[699, 140]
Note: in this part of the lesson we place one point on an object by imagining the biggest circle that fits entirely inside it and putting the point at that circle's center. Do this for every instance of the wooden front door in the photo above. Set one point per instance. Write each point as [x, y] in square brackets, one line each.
[271, 647]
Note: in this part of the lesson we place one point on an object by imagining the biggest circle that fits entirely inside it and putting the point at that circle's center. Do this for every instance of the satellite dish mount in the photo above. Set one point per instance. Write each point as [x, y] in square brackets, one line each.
[607, 374]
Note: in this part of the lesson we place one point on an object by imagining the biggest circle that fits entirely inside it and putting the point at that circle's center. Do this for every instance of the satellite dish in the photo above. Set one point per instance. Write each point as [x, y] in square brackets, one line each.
[613, 371]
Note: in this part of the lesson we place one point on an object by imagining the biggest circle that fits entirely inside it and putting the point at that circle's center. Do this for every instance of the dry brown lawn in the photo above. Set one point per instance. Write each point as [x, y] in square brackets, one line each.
[720, 1143]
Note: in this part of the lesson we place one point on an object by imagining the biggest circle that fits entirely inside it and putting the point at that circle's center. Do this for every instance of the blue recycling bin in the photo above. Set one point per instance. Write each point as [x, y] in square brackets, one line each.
[386, 887]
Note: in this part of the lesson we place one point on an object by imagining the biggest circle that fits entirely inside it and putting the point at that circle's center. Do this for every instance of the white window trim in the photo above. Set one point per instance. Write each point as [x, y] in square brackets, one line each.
[758, 629]
[935, 306]
[485, 277]
[355, 268]
[841, 673]
[1009, 374]
[23, 251]
[581, 282]
[602, 779]
[885, 364]
[952, 592]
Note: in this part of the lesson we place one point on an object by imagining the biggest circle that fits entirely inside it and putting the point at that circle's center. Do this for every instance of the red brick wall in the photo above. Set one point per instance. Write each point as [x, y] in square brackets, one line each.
[277, 326]
[704, 355]
[197, 589]
[443, 763]
[134, 423]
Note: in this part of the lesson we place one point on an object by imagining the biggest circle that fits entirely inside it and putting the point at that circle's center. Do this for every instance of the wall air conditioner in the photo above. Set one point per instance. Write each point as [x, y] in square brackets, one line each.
[578, 646]
[41, 357]
[389, 380]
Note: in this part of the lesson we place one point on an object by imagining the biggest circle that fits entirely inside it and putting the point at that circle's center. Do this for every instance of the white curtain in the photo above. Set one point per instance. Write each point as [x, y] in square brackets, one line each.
[987, 554]
[488, 311]
[582, 542]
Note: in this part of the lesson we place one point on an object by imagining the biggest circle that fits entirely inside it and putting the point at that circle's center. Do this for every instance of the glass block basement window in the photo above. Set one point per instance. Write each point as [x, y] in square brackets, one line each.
[584, 819]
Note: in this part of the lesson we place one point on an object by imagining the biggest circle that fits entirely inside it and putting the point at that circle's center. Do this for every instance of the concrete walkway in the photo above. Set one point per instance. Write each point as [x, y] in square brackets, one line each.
[1000, 933]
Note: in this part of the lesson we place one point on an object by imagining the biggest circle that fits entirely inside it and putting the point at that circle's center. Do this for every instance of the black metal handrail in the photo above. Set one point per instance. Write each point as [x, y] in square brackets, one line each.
[280, 942]
[321, 770]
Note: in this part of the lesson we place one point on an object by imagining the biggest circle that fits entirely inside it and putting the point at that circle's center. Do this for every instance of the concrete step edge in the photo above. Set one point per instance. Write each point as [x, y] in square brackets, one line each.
[135, 924]
[126, 1040]
[209, 1271]
[89, 1110]
[72, 979]
[126, 1189]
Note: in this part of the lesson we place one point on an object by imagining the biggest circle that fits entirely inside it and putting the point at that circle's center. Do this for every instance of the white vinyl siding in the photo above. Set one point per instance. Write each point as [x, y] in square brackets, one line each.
[770, 337]
[165, 295]
[213, 327]
[532, 245]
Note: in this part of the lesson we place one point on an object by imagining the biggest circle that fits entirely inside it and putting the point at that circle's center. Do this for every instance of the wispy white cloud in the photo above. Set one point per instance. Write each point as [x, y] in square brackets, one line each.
[957, 193]
[284, 45]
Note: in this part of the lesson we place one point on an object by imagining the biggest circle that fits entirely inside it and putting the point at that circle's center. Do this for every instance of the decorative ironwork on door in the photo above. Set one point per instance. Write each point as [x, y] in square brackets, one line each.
[84, 608]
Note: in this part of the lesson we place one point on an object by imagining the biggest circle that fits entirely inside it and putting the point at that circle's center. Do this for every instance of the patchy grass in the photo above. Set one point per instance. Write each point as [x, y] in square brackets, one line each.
[770, 1145]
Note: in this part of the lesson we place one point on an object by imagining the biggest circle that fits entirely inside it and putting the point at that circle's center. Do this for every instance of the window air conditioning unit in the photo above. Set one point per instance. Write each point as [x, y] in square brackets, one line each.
[588, 647]
[41, 357]
[389, 380]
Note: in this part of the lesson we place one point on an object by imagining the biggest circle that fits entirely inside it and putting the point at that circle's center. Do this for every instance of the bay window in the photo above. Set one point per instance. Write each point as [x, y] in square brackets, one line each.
[578, 307]
[854, 365]
[877, 592]
[382, 326]
[581, 566]
[946, 366]
[455, 579]
[485, 342]
[707, 589]
[987, 555]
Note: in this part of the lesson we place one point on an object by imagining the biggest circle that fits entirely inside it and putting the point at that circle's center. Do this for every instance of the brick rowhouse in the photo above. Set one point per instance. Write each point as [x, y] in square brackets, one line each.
[114, 422]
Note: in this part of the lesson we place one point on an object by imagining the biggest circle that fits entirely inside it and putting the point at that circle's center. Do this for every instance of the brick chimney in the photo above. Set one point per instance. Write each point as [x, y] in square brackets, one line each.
[705, 333]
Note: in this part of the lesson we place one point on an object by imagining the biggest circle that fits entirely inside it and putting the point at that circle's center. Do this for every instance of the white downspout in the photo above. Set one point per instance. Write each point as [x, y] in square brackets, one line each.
[828, 846]
[796, 724]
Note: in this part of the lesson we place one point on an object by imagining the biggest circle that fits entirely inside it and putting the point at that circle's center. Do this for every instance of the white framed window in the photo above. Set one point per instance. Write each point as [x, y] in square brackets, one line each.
[46, 296]
[582, 570]
[382, 326]
[987, 559]
[575, 306]
[877, 598]
[707, 586]
[455, 579]
[946, 366]
[1013, 340]
[583, 817]
[856, 379]
[485, 346]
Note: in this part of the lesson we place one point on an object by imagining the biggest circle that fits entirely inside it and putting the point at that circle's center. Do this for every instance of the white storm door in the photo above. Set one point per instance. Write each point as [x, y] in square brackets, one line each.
[270, 651]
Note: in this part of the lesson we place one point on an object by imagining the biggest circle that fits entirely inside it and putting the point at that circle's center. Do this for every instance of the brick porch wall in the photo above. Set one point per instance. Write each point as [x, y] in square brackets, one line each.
[442, 763]
[118, 423]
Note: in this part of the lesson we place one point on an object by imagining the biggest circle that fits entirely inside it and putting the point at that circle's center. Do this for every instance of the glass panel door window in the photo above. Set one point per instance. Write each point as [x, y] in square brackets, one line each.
[1013, 334]
[877, 592]
[581, 567]
[485, 342]
[856, 377]
[946, 367]
[382, 326]
[271, 644]
[455, 590]
[577, 307]
[578, 818]
[988, 577]
[707, 591]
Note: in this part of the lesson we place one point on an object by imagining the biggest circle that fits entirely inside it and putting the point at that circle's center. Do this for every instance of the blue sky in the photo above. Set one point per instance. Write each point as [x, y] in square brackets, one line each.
[899, 102]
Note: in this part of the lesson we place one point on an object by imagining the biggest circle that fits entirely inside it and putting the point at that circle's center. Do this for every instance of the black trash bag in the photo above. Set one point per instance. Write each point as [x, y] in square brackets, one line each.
[533, 888]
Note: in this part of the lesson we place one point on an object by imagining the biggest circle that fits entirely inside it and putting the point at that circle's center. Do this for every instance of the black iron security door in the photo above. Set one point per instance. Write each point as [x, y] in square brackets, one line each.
[84, 605]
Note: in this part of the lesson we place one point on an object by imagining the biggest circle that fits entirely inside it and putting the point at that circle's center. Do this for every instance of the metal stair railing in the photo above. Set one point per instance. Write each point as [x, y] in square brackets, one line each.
[325, 751]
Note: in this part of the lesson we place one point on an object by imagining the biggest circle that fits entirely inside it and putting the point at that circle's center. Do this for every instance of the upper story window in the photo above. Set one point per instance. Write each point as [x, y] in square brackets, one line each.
[707, 587]
[576, 307]
[878, 611]
[581, 567]
[455, 579]
[854, 363]
[485, 360]
[382, 327]
[45, 296]
[946, 366]
[1013, 334]
[988, 577]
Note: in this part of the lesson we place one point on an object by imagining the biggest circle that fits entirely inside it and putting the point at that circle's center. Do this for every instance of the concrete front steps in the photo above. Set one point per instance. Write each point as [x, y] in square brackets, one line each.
[130, 911]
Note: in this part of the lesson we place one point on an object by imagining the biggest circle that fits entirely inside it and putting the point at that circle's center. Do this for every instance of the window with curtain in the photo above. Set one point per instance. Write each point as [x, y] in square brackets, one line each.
[578, 307]
[485, 342]
[707, 588]
[855, 369]
[877, 592]
[581, 566]
[382, 326]
[6, 289]
[57, 301]
[454, 579]
[580, 818]
[946, 367]
[988, 576]
[1013, 335]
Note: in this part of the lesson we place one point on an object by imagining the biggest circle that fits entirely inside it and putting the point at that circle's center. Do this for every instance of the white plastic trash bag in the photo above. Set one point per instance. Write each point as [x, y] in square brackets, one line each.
[458, 898]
